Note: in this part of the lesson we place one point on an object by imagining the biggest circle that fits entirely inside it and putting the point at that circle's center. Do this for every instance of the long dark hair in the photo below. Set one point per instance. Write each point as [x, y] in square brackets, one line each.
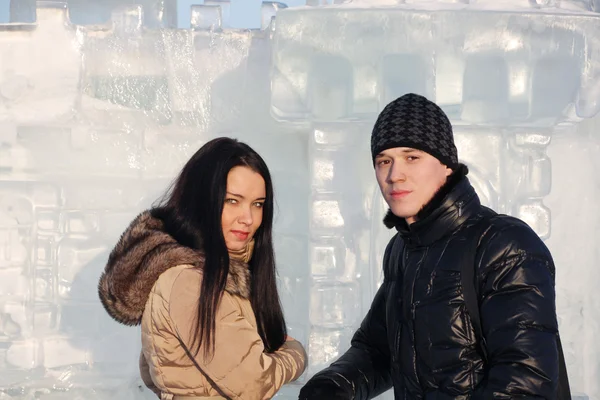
[191, 211]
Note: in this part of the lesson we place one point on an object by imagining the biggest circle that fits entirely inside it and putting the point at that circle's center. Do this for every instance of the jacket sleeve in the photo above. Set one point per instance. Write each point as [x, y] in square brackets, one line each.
[518, 316]
[145, 374]
[238, 366]
[363, 372]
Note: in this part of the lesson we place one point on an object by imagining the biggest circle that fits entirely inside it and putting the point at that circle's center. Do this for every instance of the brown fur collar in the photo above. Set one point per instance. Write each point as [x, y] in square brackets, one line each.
[141, 255]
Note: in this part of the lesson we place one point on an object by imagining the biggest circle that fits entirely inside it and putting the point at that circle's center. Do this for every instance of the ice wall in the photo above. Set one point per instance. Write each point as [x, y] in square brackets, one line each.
[96, 120]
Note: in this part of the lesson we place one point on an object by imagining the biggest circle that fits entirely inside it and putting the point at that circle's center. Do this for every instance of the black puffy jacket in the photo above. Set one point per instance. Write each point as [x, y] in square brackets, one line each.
[418, 336]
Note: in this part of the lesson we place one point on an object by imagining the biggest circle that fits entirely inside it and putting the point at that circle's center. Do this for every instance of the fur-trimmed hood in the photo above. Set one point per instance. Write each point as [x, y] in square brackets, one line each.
[142, 254]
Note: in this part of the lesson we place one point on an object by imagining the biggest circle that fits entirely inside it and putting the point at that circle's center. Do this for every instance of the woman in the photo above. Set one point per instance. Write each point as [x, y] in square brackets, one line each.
[198, 273]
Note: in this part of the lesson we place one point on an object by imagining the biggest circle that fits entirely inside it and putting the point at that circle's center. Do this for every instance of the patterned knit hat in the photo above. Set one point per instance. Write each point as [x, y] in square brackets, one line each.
[415, 122]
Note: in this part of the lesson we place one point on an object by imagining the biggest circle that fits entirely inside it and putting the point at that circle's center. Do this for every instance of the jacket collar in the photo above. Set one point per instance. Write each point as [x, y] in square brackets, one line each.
[244, 255]
[449, 208]
[142, 254]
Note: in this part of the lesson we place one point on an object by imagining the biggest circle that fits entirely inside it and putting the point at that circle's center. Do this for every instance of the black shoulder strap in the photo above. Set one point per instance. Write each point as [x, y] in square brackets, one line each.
[193, 359]
[470, 285]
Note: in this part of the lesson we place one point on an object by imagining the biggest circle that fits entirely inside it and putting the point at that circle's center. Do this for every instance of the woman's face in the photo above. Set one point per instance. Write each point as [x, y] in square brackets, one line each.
[243, 208]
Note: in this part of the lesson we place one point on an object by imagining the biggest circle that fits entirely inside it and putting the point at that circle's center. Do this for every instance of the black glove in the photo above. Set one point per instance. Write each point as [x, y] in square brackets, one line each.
[323, 389]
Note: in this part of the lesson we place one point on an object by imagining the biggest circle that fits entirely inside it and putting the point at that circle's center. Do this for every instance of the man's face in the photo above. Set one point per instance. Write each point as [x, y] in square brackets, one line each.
[409, 179]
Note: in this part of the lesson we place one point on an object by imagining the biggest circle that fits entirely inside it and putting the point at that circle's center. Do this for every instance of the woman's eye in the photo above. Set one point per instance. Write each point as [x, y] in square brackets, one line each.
[259, 205]
[231, 201]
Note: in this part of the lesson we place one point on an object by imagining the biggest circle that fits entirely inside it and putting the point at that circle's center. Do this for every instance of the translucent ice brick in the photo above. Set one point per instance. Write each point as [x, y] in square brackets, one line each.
[40, 68]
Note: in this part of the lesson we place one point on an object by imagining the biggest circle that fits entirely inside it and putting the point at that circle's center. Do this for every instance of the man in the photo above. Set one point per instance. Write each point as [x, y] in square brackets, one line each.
[419, 336]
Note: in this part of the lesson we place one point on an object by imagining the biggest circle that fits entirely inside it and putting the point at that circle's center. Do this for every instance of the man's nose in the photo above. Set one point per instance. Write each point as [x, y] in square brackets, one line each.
[396, 173]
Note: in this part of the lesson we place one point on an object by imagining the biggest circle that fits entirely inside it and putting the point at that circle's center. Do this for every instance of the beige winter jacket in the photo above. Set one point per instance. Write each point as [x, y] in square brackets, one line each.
[152, 280]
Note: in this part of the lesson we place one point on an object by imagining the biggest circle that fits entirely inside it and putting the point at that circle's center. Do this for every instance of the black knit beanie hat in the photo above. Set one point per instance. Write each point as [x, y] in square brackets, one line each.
[415, 122]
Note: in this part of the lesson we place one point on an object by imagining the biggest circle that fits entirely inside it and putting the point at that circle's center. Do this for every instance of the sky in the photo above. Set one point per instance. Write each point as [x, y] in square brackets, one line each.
[243, 14]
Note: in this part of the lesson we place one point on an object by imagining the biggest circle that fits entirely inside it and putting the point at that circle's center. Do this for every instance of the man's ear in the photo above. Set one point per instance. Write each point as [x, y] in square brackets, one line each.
[448, 172]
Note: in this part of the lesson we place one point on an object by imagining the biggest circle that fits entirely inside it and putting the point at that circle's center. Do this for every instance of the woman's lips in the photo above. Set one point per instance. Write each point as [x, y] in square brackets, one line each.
[241, 234]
